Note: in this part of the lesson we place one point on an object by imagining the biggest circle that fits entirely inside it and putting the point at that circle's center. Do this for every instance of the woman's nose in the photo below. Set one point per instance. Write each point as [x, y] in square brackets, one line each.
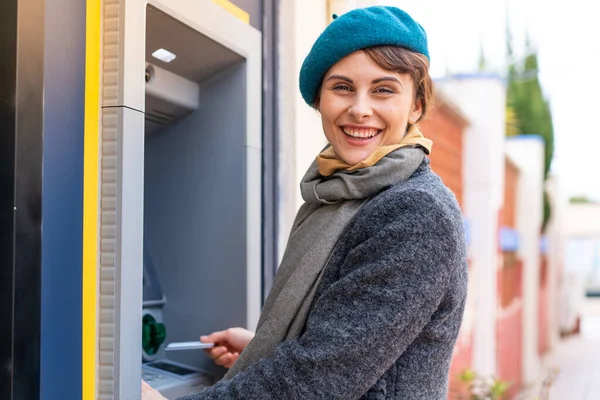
[360, 109]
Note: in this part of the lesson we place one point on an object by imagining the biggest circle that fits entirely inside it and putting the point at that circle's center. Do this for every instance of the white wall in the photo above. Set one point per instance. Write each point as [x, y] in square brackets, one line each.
[528, 154]
[583, 219]
[581, 260]
[301, 134]
[482, 100]
[556, 234]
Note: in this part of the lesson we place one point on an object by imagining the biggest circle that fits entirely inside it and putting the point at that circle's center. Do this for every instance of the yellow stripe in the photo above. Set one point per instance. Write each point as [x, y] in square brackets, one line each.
[233, 9]
[90, 197]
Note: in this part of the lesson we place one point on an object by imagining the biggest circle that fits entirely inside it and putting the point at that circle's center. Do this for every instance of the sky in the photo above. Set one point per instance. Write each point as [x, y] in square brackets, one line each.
[566, 35]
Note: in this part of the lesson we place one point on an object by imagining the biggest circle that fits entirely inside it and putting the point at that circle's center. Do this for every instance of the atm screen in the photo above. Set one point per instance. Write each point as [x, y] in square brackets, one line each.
[174, 369]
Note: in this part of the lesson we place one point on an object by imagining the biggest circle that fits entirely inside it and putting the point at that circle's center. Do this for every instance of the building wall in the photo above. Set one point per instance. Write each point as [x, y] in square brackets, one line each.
[581, 270]
[482, 99]
[300, 132]
[527, 151]
[555, 233]
[583, 219]
[446, 128]
[511, 176]
[510, 278]
[510, 346]
[543, 304]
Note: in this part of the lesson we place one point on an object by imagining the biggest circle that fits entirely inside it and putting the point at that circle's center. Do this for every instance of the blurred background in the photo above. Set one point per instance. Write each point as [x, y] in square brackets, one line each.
[515, 138]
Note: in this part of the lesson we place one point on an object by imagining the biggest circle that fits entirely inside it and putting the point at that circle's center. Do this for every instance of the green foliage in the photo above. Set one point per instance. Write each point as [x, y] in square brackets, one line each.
[482, 62]
[467, 376]
[547, 211]
[477, 387]
[511, 122]
[527, 107]
[581, 200]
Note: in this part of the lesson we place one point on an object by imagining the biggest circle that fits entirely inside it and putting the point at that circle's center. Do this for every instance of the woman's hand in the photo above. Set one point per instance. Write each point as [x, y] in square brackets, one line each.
[149, 393]
[228, 345]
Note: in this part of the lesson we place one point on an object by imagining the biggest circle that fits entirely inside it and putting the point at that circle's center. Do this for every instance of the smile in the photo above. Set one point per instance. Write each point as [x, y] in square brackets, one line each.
[357, 133]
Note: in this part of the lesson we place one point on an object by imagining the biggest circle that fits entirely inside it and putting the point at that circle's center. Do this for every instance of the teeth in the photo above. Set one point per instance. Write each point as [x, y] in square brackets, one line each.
[360, 133]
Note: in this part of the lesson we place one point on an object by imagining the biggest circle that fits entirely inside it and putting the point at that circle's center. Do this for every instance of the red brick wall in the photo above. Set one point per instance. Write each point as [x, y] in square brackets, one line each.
[510, 347]
[461, 360]
[543, 328]
[509, 328]
[509, 279]
[446, 129]
[511, 176]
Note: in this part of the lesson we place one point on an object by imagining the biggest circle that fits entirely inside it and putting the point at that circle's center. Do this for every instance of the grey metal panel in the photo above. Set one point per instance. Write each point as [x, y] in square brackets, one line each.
[129, 251]
[204, 60]
[122, 202]
[107, 277]
[108, 269]
[195, 213]
[120, 318]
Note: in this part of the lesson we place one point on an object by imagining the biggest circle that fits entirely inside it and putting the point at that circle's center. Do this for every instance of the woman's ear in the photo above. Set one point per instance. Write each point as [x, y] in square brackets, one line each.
[416, 112]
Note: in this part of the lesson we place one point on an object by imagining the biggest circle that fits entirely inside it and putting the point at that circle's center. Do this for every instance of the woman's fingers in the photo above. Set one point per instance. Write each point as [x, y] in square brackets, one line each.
[228, 345]
[145, 386]
[234, 358]
[215, 337]
[149, 393]
[217, 352]
[226, 360]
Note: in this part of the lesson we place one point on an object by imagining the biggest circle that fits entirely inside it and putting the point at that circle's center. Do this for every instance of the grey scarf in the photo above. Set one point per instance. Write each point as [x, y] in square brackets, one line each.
[330, 204]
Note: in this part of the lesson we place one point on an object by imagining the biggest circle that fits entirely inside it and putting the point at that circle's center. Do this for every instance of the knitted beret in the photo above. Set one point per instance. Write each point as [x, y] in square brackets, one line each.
[356, 30]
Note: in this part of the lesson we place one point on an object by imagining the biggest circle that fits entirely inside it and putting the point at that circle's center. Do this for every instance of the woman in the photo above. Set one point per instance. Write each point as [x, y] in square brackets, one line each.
[369, 297]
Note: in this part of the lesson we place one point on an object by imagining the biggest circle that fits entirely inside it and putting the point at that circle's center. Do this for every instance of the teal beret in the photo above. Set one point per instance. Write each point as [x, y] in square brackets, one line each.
[356, 30]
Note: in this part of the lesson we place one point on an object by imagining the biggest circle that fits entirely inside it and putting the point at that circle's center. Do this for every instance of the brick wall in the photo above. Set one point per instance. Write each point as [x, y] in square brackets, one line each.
[509, 331]
[461, 360]
[511, 177]
[445, 126]
[510, 347]
[543, 326]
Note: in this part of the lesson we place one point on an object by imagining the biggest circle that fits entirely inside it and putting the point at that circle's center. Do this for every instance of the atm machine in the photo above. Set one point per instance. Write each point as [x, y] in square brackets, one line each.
[180, 194]
[171, 378]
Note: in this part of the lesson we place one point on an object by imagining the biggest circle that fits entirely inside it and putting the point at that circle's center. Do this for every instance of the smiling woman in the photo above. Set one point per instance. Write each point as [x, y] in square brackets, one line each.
[370, 98]
[369, 297]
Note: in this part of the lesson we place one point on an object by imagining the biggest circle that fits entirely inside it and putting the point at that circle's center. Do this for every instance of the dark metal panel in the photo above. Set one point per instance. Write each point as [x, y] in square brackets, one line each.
[64, 89]
[28, 200]
[270, 142]
[8, 75]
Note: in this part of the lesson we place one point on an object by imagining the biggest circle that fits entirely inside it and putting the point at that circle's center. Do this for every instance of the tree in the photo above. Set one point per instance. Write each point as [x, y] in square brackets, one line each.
[481, 62]
[581, 200]
[528, 109]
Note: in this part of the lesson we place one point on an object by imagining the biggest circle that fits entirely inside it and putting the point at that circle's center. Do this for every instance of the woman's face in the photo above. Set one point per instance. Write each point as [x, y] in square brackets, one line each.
[364, 106]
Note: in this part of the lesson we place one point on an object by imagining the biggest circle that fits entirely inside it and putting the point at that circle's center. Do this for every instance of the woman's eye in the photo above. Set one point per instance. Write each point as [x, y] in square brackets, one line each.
[341, 87]
[384, 90]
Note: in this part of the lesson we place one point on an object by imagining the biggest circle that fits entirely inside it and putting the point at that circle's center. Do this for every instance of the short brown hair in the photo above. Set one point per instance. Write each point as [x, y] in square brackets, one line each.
[404, 61]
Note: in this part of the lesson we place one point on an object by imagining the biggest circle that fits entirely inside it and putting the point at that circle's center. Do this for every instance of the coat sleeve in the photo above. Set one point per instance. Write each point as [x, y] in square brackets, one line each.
[391, 283]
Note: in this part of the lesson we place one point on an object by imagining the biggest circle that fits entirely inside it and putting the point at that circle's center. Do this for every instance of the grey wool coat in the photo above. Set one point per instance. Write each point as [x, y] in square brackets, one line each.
[387, 311]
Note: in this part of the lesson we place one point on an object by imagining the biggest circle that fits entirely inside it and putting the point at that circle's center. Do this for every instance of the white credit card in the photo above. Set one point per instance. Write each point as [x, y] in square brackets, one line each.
[189, 345]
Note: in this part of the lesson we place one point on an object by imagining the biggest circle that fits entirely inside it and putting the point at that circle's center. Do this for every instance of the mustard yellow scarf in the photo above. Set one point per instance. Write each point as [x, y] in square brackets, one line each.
[328, 162]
